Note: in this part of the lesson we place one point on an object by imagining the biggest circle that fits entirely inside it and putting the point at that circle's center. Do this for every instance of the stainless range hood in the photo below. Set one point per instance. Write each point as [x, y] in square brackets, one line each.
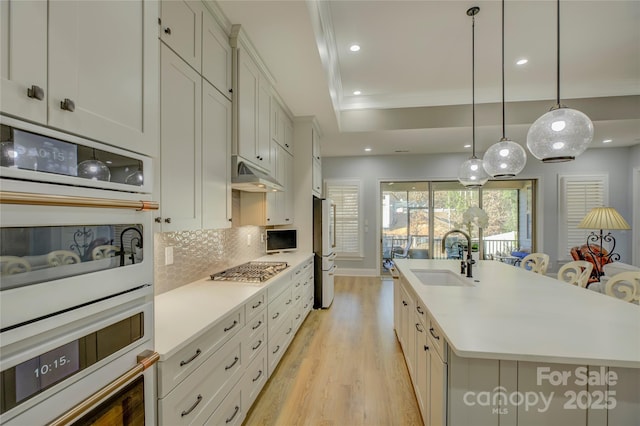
[246, 177]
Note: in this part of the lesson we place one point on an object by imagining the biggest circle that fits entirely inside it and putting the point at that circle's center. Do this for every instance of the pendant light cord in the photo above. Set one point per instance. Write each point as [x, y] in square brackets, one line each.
[503, 125]
[558, 53]
[473, 83]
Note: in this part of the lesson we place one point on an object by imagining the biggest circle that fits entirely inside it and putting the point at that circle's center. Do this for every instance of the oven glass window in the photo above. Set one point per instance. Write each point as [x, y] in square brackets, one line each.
[30, 255]
[24, 150]
[125, 408]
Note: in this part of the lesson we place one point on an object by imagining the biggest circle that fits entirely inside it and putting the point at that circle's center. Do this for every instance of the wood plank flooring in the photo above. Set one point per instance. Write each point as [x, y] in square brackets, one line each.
[344, 367]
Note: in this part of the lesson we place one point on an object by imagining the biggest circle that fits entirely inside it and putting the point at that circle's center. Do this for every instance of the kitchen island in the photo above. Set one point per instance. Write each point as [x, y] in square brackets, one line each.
[511, 347]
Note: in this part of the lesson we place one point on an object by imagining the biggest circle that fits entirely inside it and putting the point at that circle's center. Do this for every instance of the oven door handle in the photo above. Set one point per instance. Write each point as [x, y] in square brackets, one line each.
[145, 360]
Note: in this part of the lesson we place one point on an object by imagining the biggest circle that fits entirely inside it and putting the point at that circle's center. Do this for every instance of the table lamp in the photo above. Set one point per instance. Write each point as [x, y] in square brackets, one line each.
[602, 218]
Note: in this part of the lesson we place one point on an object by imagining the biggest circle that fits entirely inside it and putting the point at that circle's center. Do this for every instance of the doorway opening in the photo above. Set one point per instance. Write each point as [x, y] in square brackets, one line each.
[417, 214]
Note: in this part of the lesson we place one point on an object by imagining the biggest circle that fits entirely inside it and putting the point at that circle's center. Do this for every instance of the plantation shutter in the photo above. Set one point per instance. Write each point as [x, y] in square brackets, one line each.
[346, 196]
[578, 195]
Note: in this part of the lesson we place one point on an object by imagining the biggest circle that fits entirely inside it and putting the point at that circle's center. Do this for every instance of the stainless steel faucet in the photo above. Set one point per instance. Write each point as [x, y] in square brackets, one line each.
[464, 265]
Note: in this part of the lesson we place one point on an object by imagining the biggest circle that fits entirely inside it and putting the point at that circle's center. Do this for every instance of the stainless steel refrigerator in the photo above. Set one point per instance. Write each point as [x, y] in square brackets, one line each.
[324, 244]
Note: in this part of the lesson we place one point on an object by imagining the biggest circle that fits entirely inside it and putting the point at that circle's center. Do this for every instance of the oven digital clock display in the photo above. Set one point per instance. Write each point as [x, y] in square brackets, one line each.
[39, 373]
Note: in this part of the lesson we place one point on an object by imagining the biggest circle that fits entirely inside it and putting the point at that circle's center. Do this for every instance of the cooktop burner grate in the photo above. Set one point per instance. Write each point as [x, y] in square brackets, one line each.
[254, 272]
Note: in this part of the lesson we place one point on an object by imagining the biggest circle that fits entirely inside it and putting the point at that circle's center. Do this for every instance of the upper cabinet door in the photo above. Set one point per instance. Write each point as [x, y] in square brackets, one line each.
[23, 59]
[216, 151]
[181, 29]
[247, 104]
[216, 55]
[103, 71]
[181, 145]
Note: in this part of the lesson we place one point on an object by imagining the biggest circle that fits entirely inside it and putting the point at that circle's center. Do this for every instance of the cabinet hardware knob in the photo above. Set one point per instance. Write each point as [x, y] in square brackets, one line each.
[190, 409]
[426, 348]
[158, 220]
[287, 145]
[229, 219]
[68, 105]
[35, 92]
[230, 90]
[167, 220]
[404, 303]
[159, 21]
[167, 31]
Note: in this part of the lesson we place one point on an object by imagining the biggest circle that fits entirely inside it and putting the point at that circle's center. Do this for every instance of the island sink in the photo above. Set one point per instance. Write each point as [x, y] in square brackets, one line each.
[441, 277]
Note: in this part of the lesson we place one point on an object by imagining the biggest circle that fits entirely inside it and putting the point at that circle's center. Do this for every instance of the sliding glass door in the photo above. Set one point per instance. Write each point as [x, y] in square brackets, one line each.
[416, 216]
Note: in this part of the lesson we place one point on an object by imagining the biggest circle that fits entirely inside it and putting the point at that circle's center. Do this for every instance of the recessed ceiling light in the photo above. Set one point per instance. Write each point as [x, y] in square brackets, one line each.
[607, 141]
[354, 47]
[467, 146]
[367, 149]
[522, 61]
[357, 92]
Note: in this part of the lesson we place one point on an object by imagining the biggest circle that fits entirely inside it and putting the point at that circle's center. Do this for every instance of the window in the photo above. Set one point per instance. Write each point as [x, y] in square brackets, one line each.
[346, 196]
[578, 195]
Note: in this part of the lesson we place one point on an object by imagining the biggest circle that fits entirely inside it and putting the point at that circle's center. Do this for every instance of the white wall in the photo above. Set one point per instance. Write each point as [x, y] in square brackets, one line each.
[618, 163]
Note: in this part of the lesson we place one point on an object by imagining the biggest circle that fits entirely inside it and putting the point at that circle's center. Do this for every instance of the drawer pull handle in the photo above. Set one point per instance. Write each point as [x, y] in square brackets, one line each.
[196, 355]
[193, 407]
[297, 297]
[230, 419]
[298, 316]
[289, 331]
[167, 31]
[257, 325]
[257, 345]
[418, 328]
[420, 311]
[276, 315]
[288, 302]
[235, 361]
[435, 336]
[404, 303]
[297, 272]
[277, 349]
[255, 306]
[258, 376]
[231, 326]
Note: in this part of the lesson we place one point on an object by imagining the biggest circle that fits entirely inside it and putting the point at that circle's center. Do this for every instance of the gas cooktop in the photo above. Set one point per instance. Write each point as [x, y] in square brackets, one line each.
[252, 272]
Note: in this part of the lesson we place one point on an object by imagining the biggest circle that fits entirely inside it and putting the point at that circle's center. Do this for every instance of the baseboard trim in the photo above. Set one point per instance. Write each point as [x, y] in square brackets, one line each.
[357, 272]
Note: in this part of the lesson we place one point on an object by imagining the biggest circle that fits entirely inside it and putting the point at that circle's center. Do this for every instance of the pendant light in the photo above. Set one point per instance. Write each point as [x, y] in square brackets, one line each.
[562, 133]
[506, 158]
[471, 173]
[94, 169]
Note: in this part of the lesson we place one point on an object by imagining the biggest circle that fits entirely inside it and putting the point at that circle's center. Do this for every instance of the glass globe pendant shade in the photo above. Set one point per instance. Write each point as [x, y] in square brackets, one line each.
[471, 173]
[135, 178]
[560, 135]
[94, 170]
[504, 159]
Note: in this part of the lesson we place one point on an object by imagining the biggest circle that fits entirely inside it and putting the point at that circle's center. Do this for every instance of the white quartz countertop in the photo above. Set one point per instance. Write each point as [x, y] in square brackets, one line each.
[514, 314]
[183, 314]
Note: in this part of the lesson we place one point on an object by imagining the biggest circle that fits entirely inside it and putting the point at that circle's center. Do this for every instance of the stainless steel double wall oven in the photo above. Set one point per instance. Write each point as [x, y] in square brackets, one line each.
[76, 280]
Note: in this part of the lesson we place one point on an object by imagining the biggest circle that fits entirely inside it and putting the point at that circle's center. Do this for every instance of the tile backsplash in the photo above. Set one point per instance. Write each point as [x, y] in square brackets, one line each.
[197, 254]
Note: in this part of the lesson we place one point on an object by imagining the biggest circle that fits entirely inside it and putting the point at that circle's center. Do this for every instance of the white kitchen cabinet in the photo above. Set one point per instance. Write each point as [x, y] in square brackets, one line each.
[281, 126]
[216, 55]
[23, 59]
[280, 206]
[96, 80]
[181, 144]
[421, 379]
[181, 29]
[252, 92]
[216, 152]
[407, 340]
[437, 393]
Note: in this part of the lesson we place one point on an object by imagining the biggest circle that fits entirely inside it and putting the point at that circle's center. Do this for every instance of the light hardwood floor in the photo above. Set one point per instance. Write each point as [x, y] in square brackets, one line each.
[344, 367]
